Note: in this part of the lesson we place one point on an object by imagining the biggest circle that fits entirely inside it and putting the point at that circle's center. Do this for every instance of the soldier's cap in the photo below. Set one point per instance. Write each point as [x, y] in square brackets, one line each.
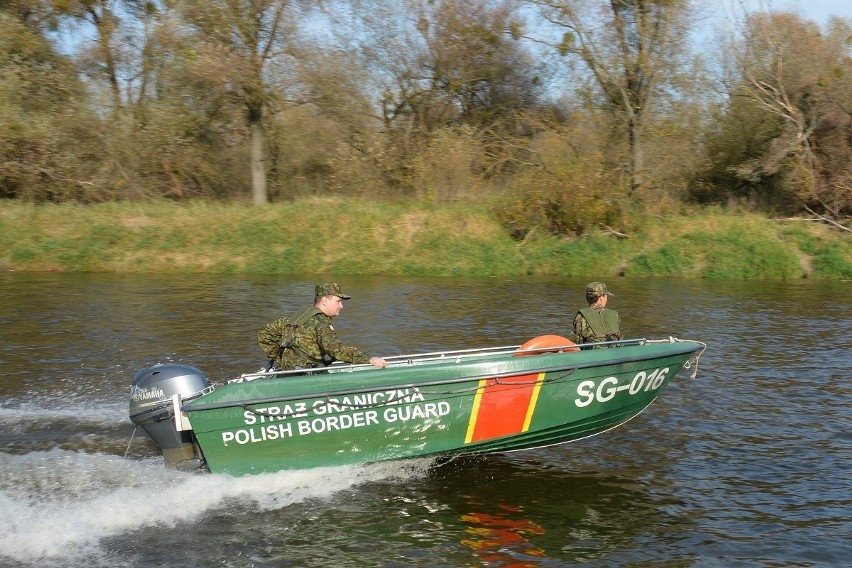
[330, 289]
[597, 289]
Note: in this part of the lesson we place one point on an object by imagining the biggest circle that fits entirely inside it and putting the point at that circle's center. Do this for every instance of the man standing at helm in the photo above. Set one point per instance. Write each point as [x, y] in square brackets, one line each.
[597, 323]
[307, 339]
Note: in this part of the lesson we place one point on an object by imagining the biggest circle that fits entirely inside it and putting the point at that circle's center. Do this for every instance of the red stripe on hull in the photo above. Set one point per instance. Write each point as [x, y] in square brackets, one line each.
[503, 407]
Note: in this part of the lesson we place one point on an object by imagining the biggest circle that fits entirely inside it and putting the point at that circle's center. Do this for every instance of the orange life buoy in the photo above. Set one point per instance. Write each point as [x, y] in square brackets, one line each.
[546, 344]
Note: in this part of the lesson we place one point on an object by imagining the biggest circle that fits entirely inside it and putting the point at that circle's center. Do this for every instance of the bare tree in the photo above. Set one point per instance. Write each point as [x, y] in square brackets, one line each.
[791, 70]
[448, 64]
[631, 48]
[250, 34]
[105, 58]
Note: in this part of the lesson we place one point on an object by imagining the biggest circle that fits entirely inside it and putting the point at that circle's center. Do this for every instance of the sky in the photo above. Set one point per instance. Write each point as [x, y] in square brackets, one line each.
[721, 15]
[817, 10]
[721, 12]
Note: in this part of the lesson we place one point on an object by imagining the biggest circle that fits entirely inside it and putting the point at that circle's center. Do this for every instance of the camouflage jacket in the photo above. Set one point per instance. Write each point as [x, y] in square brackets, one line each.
[306, 340]
[593, 325]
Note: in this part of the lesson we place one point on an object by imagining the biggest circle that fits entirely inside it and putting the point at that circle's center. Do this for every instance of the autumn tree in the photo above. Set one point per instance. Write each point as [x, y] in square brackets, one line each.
[632, 49]
[48, 133]
[104, 59]
[798, 76]
[167, 126]
[250, 35]
[441, 66]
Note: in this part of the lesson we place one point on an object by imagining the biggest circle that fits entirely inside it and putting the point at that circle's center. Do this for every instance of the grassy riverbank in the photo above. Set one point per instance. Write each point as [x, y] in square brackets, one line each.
[364, 237]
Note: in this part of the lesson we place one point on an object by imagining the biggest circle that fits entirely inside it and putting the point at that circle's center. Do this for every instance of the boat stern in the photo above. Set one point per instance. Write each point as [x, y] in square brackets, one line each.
[155, 398]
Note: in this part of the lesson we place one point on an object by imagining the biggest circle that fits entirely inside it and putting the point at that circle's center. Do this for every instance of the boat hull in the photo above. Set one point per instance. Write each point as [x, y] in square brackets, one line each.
[435, 408]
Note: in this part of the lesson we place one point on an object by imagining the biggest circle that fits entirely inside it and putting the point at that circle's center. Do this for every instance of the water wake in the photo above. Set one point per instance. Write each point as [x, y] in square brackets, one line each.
[58, 506]
[37, 414]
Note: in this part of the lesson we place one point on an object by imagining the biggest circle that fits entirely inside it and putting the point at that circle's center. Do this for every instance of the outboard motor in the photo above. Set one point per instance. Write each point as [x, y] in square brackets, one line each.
[151, 408]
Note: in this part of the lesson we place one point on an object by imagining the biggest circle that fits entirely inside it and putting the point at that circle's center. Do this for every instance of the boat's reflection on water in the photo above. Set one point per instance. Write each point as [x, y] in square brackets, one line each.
[521, 509]
[492, 536]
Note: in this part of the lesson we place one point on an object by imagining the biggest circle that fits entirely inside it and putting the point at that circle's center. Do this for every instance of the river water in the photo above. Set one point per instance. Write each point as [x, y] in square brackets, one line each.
[748, 464]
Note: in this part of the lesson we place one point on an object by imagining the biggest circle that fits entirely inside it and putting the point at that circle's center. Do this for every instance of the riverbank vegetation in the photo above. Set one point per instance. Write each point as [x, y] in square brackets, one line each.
[354, 236]
[424, 137]
[579, 112]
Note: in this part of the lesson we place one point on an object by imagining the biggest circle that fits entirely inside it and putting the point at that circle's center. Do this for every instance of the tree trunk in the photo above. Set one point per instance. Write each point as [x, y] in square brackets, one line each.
[105, 24]
[635, 155]
[258, 159]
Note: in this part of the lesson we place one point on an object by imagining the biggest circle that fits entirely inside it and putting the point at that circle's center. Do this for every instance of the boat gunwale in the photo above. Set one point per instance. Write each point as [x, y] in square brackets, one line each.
[437, 356]
[686, 346]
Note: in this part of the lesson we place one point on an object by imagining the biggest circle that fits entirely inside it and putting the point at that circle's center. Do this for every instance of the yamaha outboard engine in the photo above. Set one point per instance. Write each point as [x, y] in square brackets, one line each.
[151, 408]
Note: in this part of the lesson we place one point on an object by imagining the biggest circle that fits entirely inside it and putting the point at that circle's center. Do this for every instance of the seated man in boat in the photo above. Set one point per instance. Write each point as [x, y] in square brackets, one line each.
[597, 323]
[307, 339]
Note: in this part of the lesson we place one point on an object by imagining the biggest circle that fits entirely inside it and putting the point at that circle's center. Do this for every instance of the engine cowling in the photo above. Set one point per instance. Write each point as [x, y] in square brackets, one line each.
[151, 408]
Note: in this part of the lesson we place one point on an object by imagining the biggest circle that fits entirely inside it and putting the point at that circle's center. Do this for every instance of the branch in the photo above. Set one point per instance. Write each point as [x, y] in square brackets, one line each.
[56, 178]
[526, 237]
[611, 231]
[827, 220]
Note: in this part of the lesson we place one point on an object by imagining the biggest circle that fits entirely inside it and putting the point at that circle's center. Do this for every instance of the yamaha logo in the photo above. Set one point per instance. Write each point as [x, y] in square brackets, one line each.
[140, 395]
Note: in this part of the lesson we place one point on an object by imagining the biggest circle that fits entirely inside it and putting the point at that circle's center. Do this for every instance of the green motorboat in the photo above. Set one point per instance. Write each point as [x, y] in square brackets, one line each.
[439, 404]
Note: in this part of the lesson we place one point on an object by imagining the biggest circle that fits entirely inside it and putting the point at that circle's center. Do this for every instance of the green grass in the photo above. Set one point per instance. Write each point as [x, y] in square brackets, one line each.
[737, 254]
[351, 237]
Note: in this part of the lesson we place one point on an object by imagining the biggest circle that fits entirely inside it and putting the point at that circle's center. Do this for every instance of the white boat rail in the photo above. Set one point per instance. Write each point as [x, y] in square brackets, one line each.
[434, 356]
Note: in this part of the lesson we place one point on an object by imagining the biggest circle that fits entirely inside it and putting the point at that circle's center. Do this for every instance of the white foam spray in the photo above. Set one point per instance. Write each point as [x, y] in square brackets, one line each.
[57, 505]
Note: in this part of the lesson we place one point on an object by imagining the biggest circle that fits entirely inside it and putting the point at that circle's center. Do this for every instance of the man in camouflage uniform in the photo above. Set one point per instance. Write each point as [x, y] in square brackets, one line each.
[307, 339]
[597, 323]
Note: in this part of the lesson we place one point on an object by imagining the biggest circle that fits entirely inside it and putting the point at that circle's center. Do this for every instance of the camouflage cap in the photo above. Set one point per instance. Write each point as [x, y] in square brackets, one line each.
[597, 289]
[330, 289]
